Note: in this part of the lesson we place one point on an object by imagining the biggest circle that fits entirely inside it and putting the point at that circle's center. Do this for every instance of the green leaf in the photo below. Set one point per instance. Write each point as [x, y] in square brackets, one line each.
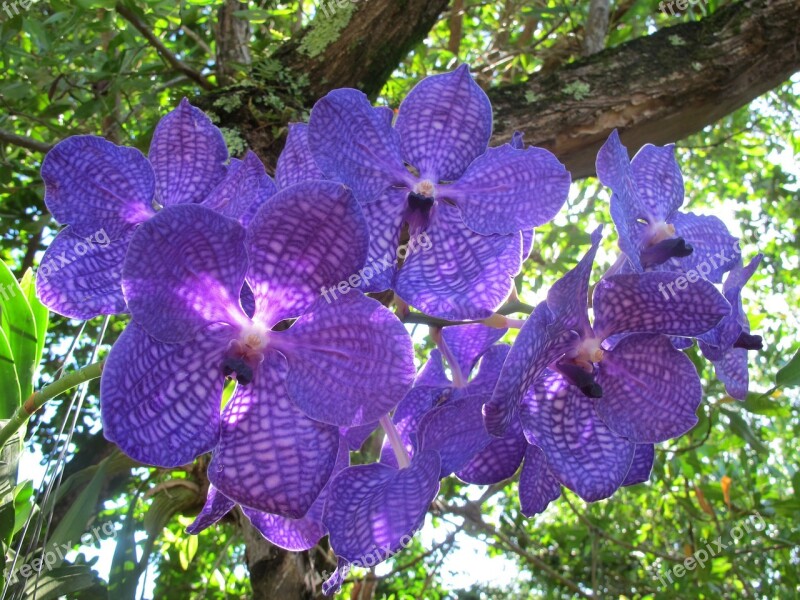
[740, 428]
[74, 524]
[41, 315]
[789, 376]
[125, 571]
[62, 581]
[9, 382]
[17, 322]
[187, 550]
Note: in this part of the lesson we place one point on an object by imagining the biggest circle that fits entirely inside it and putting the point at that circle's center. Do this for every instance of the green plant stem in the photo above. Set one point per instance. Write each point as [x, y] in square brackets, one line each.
[36, 400]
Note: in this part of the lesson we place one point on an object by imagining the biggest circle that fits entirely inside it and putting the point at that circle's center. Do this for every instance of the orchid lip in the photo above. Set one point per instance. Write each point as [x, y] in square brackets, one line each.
[662, 251]
[580, 378]
[748, 341]
[245, 354]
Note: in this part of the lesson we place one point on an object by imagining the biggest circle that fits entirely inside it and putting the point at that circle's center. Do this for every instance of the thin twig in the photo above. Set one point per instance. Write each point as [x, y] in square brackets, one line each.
[162, 50]
[599, 531]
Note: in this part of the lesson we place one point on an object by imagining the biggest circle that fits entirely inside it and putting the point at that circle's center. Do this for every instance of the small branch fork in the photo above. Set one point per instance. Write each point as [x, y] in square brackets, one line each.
[162, 50]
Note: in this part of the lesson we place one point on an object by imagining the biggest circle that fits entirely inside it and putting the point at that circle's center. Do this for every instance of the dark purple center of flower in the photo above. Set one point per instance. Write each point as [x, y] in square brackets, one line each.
[237, 365]
[243, 357]
[418, 213]
[749, 342]
[664, 250]
[580, 378]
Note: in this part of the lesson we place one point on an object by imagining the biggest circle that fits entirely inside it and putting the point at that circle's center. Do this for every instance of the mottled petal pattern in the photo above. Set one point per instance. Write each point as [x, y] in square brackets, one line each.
[355, 350]
[160, 402]
[456, 431]
[245, 188]
[385, 222]
[731, 370]
[353, 143]
[217, 506]
[534, 349]
[463, 275]
[582, 453]
[537, 486]
[614, 171]
[643, 303]
[374, 510]
[184, 269]
[271, 457]
[508, 190]
[296, 163]
[491, 365]
[497, 461]
[433, 373]
[302, 534]
[715, 250]
[356, 436]
[568, 298]
[297, 248]
[444, 123]
[188, 155]
[467, 343]
[80, 277]
[651, 391]
[96, 186]
[658, 180]
[642, 465]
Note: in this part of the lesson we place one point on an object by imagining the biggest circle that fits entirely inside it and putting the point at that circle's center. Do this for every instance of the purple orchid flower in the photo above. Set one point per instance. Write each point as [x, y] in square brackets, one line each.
[373, 511]
[587, 403]
[295, 535]
[447, 412]
[727, 344]
[439, 426]
[275, 444]
[103, 192]
[538, 487]
[653, 233]
[434, 173]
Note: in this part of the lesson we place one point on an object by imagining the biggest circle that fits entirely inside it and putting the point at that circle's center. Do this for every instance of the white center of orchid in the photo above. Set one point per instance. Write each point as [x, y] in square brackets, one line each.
[660, 231]
[589, 352]
[425, 188]
[253, 338]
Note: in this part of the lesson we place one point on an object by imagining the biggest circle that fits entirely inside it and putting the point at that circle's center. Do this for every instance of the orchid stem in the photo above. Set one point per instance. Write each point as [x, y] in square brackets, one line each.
[397, 444]
[36, 400]
[459, 380]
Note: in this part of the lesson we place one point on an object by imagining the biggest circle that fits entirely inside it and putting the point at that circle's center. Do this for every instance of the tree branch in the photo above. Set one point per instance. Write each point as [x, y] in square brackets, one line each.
[658, 88]
[358, 45]
[24, 142]
[162, 50]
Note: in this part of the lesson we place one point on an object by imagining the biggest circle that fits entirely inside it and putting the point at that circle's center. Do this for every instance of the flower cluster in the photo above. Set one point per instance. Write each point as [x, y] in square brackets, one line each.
[231, 348]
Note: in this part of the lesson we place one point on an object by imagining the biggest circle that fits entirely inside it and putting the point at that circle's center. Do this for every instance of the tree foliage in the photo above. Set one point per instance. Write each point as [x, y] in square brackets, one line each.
[87, 67]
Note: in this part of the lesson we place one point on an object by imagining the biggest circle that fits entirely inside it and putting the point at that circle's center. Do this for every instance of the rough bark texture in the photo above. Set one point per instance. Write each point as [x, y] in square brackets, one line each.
[233, 39]
[373, 37]
[659, 88]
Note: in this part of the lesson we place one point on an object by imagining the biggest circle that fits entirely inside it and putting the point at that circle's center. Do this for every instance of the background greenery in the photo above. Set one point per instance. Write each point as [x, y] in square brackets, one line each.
[79, 67]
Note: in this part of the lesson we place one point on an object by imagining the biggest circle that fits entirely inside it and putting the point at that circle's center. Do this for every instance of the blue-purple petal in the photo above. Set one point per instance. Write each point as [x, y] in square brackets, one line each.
[537, 485]
[160, 402]
[188, 156]
[444, 123]
[651, 391]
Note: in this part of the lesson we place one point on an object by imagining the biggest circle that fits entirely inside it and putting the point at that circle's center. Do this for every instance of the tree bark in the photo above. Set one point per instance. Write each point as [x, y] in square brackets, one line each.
[659, 88]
